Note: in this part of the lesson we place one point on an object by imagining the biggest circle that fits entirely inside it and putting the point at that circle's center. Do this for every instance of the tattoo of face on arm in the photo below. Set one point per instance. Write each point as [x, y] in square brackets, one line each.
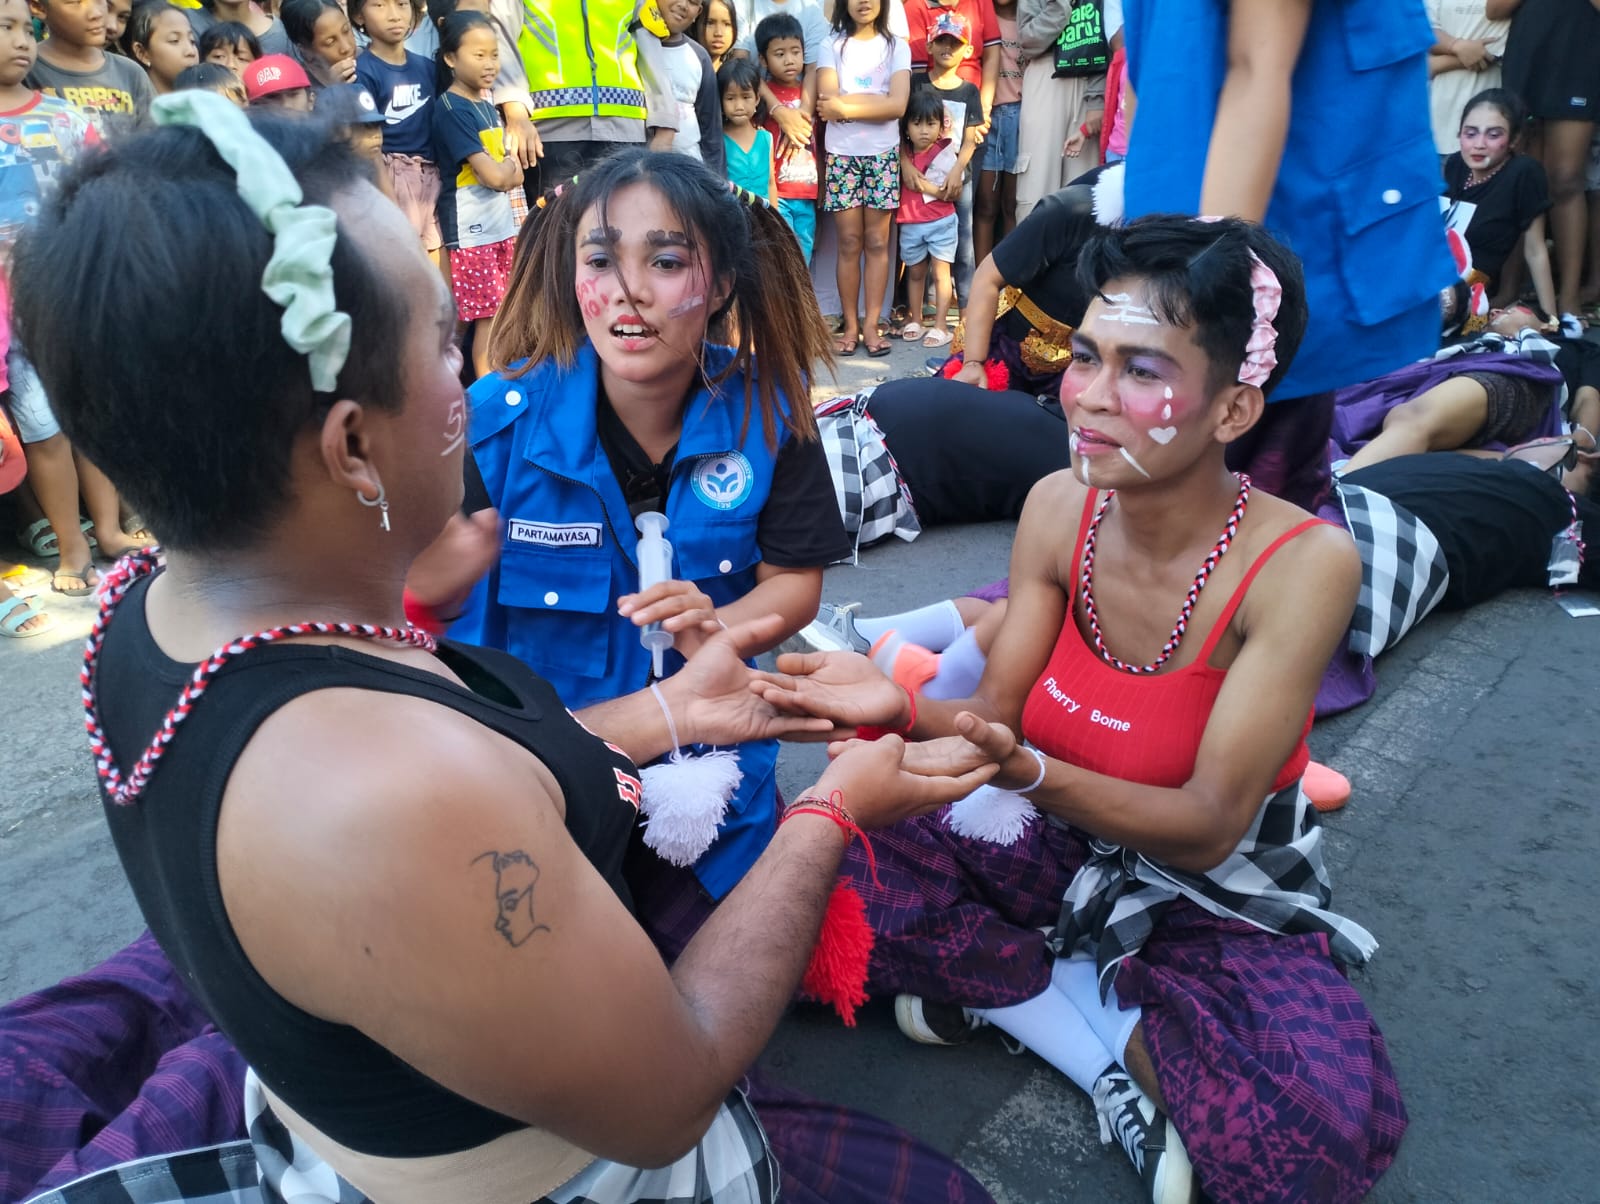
[514, 877]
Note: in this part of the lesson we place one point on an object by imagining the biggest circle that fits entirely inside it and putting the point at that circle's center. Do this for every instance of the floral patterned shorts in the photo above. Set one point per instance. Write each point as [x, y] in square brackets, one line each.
[862, 182]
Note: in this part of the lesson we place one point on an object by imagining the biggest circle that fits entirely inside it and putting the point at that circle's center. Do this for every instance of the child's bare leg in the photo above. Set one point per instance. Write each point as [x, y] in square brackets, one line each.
[480, 347]
[877, 225]
[916, 286]
[848, 225]
[941, 293]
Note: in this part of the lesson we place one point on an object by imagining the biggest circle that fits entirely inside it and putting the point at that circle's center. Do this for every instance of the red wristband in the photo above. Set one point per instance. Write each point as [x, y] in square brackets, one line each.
[423, 617]
[1084, 130]
[833, 807]
[871, 731]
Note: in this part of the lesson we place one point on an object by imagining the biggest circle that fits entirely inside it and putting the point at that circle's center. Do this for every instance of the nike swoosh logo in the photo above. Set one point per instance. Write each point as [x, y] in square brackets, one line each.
[395, 114]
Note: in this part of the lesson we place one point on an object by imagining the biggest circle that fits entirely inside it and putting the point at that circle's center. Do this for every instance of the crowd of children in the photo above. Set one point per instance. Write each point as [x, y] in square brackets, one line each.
[867, 114]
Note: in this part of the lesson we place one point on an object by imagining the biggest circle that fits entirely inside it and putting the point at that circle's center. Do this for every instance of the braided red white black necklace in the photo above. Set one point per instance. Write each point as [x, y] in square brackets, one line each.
[117, 583]
[1086, 582]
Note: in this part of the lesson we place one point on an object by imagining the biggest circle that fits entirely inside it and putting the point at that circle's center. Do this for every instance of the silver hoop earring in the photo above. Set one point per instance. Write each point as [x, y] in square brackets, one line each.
[381, 502]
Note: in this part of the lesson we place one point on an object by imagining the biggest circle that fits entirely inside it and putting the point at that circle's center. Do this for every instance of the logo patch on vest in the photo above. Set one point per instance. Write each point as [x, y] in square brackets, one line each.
[722, 482]
[554, 535]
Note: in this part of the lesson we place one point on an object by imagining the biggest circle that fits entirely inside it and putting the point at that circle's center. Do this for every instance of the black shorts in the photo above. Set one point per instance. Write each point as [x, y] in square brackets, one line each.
[1552, 59]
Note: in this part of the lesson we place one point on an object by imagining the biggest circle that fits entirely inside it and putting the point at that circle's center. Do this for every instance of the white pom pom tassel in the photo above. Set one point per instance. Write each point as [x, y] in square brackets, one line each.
[684, 801]
[991, 814]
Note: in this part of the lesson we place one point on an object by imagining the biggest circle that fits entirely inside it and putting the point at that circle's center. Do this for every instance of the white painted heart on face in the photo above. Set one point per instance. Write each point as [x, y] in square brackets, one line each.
[1163, 434]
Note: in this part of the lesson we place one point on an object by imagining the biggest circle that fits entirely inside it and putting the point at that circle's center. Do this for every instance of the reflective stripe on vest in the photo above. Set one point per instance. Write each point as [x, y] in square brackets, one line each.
[574, 68]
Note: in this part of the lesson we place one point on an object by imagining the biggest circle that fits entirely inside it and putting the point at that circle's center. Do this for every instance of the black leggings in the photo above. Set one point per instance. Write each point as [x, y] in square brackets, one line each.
[967, 454]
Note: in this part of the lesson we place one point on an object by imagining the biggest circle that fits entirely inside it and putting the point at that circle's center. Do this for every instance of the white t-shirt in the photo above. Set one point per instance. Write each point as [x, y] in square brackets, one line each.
[684, 74]
[813, 22]
[1448, 93]
[864, 65]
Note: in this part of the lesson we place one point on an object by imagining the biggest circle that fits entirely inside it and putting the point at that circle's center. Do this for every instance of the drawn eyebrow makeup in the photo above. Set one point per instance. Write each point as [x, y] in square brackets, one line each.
[667, 238]
[601, 236]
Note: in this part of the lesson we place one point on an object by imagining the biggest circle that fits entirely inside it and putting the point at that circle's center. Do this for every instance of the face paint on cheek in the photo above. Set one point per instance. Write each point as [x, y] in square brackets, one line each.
[1080, 464]
[692, 302]
[1138, 467]
[455, 426]
[590, 299]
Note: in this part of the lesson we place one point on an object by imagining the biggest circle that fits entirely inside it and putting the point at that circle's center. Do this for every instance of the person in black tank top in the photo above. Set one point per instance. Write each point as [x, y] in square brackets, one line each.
[392, 869]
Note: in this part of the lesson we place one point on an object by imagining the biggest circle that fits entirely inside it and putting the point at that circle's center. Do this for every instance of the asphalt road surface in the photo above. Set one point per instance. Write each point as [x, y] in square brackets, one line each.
[1469, 849]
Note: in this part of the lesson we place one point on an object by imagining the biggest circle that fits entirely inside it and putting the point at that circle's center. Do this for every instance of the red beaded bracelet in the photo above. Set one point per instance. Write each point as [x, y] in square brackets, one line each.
[871, 731]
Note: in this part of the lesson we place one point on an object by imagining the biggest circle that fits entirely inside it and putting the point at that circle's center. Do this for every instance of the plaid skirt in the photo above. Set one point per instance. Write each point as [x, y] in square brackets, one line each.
[1276, 1074]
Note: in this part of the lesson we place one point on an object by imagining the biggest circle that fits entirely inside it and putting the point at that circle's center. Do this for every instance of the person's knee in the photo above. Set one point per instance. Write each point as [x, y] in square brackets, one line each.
[1566, 181]
[849, 242]
[52, 451]
[877, 239]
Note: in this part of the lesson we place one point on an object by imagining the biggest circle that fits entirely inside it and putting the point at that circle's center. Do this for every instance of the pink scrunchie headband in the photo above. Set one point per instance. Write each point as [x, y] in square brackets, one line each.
[1266, 295]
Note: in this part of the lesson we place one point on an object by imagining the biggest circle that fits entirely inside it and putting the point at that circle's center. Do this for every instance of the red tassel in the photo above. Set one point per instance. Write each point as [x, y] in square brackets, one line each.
[998, 375]
[837, 974]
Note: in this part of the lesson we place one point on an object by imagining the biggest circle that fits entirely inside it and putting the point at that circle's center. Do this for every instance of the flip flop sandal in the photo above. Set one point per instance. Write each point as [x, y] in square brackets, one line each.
[913, 331]
[846, 347]
[22, 577]
[20, 612]
[89, 575]
[135, 527]
[881, 350]
[937, 338]
[39, 537]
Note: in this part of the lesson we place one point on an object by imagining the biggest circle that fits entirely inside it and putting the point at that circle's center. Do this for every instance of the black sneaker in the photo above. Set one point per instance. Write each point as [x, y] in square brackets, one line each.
[929, 1023]
[1129, 1116]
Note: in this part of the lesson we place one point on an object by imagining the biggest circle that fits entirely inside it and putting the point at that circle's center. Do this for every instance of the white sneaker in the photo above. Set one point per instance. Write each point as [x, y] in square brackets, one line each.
[929, 1023]
[833, 630]
[1129, 1116]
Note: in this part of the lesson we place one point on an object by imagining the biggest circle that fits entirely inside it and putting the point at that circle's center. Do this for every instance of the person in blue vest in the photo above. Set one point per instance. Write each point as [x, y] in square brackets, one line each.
[1311, 117]
[614, 395]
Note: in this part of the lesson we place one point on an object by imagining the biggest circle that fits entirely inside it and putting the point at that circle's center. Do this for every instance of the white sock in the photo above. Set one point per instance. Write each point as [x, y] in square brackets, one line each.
[960, 668]
[1075, 979]
[935, 627]
[1051, 1027]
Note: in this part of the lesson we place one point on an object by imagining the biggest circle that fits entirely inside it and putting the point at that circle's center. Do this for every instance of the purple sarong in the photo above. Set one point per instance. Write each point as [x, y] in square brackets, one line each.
[120, 1063]
[1278, 1078]
[1359, 410]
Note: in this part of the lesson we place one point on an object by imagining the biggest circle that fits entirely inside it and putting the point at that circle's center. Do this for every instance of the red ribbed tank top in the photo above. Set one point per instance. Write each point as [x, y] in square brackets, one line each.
[1143, 728]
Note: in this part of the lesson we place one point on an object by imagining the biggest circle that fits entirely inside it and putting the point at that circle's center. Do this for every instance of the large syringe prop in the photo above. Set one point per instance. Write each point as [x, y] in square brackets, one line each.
[654, 557]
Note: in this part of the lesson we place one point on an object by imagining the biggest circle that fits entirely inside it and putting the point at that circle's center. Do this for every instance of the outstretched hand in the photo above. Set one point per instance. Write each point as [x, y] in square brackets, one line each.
[721, 698]
[844, 688]
[883, 781]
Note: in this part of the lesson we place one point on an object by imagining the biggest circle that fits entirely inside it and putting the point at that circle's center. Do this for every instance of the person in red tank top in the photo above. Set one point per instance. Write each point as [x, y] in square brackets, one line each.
[1189, 983]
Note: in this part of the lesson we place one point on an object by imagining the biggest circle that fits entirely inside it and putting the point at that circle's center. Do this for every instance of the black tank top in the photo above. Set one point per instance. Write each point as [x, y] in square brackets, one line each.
[349, 1086]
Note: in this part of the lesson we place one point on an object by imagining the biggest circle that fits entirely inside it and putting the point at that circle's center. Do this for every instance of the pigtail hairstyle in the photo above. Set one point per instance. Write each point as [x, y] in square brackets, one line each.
[746, 246]
[1198, 275]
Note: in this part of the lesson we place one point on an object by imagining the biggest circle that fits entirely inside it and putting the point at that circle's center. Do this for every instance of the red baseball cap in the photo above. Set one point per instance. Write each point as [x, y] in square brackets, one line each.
[273, 73]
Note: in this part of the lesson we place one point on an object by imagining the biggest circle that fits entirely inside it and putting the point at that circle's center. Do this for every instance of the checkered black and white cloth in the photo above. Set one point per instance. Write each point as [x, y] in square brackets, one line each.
[218, 1174]
[873, 499]
[1275, 879]
[1403, 570]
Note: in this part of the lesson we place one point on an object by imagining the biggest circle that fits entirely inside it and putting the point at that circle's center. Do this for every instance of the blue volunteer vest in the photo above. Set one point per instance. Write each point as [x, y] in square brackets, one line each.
[1357, 193]
[567, 551]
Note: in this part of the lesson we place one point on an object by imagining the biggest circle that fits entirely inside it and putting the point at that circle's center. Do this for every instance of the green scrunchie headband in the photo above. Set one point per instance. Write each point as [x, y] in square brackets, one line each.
[299, 276]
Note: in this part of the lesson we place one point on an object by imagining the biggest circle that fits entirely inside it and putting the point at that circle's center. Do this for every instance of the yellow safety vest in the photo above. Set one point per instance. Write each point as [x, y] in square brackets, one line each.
[583, 63]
